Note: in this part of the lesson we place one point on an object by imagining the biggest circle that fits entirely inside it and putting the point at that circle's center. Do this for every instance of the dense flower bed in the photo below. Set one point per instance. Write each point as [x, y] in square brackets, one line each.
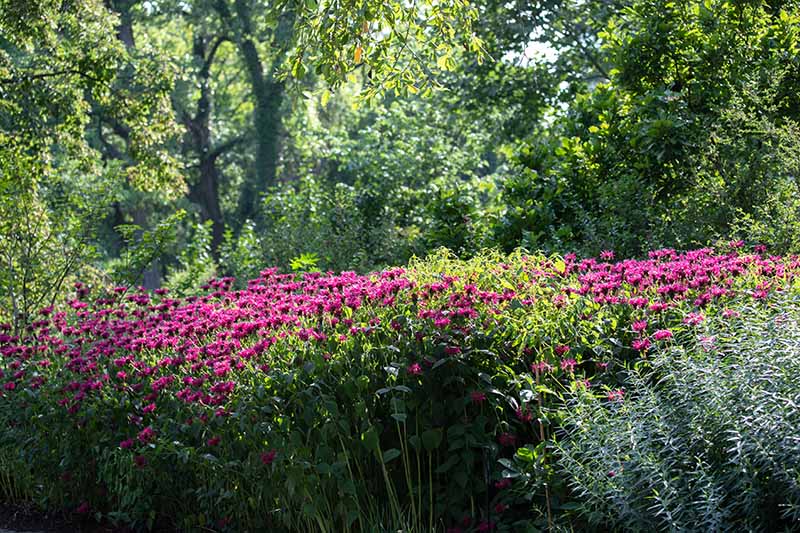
[421, 397]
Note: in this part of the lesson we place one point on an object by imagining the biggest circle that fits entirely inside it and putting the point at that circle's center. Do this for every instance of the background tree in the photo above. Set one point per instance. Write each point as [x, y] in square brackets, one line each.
[56, 63]
[692, 132]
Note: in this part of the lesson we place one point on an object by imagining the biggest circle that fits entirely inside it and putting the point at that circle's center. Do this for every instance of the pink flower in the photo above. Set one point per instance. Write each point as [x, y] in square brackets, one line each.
[693, 319]
[127, 443]
[568, 365]
[10, 386]
[140, 461]
[213, 441]
[452, 350]
[268, 457]
[221, 368]
[524, 415]
[707, 342]
[662, 334]
[477, 397]
[503, 483]
[639, 326]
[146, 435]
[541, 367]
[507, 440]
[149, 408]
[640, 345]
[414, 369]
[731, 313]
[83, 508]
[615, 395]
[607, 255]
[441, 322]
[561, 349]
[500, 507]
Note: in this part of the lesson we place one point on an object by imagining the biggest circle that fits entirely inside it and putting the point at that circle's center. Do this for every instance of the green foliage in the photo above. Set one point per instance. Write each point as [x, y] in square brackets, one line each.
[453, 215]
[695, 129]
[535, 211]
[396, 44]
[410, 398]
[399, 143]
[45, 239]
[312, 218]
[58, 63]
[241, 255]
[195, 263]
[304, 263]
[142, 248]
[706, 438]
[416, 181]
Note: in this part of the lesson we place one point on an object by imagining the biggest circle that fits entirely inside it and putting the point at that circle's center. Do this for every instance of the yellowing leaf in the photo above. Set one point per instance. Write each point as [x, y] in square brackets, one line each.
[359, 51]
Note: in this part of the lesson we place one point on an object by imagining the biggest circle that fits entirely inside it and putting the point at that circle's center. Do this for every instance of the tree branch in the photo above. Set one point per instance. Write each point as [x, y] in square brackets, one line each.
[215, 44]
[227, 145]
[42, 75]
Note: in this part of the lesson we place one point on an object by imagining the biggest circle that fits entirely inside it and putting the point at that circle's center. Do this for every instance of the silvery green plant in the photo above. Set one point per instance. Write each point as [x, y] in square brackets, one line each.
[706, 436]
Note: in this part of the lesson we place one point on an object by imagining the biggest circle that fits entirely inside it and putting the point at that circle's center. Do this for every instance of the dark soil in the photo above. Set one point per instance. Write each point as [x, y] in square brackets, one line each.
[27, 518]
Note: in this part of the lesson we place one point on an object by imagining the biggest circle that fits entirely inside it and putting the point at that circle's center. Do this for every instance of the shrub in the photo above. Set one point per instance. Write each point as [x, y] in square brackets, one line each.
[705, 436]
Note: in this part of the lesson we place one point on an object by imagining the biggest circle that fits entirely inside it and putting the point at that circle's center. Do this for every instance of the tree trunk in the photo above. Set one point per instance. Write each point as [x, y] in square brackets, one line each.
[206, 194]
[151, 278]
[206, 191]
[268, 96]
[125, 28]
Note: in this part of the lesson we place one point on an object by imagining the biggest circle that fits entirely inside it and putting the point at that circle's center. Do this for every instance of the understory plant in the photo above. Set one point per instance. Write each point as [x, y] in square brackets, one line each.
[703, 436]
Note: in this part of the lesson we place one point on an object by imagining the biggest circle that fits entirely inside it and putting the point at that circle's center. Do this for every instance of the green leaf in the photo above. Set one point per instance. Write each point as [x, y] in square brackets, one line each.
[370, 438]
[431, 439]
[390, 455]
[451, 461]
[524, 454]
[298, 68]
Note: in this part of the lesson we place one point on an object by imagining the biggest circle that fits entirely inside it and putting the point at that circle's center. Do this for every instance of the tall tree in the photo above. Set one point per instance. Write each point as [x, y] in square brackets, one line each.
[696, 127]
[276, 42]
[56, 63]
[143, 76]
[205, 190]
[263, 45]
